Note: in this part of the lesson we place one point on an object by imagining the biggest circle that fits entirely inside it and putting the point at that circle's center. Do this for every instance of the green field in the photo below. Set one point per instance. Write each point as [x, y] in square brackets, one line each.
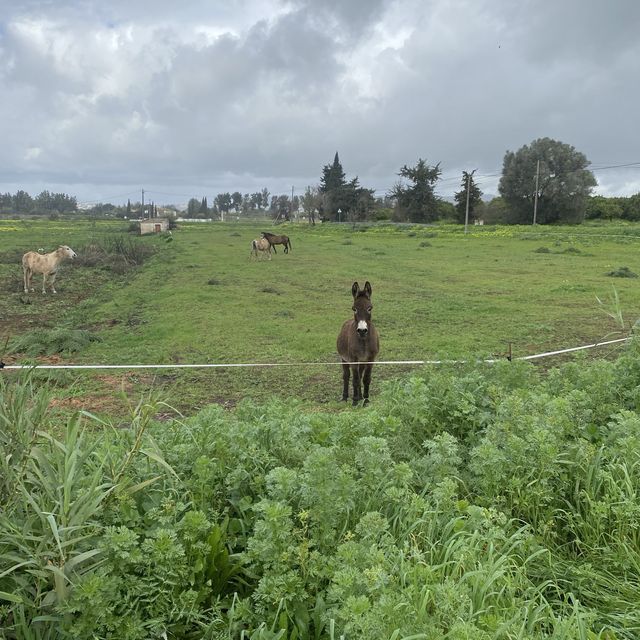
[437, 294]
[466, 502]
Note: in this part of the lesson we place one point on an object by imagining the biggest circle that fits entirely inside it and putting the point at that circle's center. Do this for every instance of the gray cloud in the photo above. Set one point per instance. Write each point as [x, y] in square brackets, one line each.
[106, 97]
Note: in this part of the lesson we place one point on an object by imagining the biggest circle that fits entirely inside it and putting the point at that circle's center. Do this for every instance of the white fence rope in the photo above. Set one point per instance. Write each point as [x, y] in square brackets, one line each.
[258, 365]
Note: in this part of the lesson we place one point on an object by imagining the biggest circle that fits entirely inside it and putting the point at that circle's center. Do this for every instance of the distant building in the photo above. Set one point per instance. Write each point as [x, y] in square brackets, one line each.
[153, 225]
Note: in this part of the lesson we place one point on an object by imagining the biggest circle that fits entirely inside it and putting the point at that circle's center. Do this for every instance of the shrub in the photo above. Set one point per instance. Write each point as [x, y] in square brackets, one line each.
[115, 253]
[622, 272]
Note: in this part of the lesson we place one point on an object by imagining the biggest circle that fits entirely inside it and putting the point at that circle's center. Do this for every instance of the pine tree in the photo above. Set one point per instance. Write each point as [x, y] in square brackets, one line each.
[418, 202]
[460, 197]
[333, 177]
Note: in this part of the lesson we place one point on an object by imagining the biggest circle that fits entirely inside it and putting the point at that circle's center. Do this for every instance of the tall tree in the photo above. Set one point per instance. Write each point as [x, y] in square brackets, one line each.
[223, 202]
[22, 202]
[333, 176]
[333, 189]
[311, 203]
[342, 199]
[281, 207]
[460, 198]
[564, 182]
[265, 198]
[193, 206]
[417, 201]
[236, 200]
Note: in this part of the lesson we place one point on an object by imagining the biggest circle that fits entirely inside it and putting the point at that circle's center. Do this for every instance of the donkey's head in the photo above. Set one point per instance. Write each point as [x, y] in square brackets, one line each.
[362, 307]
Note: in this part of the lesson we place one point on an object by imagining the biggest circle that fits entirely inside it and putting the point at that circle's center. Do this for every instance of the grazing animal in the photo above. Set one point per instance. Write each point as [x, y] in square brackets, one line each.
[46, 264]
[358, 345]
[260, 245]
[274, 240]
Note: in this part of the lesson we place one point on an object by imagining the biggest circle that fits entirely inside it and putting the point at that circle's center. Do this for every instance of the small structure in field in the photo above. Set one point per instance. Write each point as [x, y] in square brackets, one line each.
[153, 225]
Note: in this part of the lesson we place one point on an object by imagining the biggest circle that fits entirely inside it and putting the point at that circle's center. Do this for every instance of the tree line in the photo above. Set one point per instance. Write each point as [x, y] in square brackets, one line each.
[45, 203]
[548, 177]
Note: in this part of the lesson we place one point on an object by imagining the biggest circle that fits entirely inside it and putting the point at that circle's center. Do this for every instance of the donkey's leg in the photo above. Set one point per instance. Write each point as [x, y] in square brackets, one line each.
[345, 381]
[52, 280]
[366, 379]
[357, 393]
[44, 282]
[24, 277]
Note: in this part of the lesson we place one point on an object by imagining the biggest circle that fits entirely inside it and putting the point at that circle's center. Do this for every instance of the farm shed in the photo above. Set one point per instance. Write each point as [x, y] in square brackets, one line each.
[153, 225]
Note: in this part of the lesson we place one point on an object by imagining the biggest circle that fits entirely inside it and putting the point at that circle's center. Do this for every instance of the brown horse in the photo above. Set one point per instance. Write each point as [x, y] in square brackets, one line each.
[274, 240]
[358, 345]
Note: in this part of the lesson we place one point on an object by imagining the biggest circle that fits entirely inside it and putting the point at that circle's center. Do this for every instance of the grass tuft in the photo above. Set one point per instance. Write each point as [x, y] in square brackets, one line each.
[51, 341]
[622, 272]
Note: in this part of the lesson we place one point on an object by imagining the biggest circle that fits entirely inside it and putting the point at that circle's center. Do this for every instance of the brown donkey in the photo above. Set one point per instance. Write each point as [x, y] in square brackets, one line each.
[358, 345]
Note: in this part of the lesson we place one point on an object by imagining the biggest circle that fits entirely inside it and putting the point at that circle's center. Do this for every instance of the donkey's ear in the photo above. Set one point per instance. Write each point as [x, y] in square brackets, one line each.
[367, 288]
[354, 289]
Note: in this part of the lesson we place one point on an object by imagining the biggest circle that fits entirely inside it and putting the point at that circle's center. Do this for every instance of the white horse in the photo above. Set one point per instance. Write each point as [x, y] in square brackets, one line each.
[46, 264]
[261, 245]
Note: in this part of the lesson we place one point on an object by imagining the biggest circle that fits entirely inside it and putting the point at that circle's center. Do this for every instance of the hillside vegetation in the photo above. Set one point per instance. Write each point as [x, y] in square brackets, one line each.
[476, 503]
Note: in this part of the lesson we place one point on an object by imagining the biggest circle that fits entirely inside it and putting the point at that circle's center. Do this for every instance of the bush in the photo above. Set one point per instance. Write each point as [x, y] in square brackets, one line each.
[115, 253]
[622, 272]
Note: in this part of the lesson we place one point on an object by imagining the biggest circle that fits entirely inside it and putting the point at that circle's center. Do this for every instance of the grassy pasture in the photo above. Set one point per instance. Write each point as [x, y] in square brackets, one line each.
[436, 292]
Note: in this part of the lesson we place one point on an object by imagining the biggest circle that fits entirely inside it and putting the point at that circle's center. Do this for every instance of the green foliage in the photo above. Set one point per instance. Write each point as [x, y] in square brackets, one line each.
[339, 199]
[611, 208]
[417, 201]
[51, 341]
[563, 187]
[468, 187]
[474, 502]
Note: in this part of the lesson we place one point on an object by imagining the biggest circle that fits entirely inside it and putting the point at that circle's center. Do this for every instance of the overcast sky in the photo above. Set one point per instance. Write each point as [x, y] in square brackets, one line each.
[187, 99]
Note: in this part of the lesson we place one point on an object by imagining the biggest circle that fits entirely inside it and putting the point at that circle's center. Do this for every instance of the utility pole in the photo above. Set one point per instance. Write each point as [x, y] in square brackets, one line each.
[535, 195]
[142, 211]
[466, 213]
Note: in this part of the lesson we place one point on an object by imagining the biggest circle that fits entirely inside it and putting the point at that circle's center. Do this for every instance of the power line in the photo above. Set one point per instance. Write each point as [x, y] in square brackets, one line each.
[101, 200]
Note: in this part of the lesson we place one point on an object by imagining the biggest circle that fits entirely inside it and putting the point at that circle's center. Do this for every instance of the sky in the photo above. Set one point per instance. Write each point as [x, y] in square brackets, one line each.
[190, 99]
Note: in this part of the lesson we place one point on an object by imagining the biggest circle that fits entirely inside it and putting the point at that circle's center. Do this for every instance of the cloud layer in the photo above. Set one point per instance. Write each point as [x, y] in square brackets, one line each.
[100, 99]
